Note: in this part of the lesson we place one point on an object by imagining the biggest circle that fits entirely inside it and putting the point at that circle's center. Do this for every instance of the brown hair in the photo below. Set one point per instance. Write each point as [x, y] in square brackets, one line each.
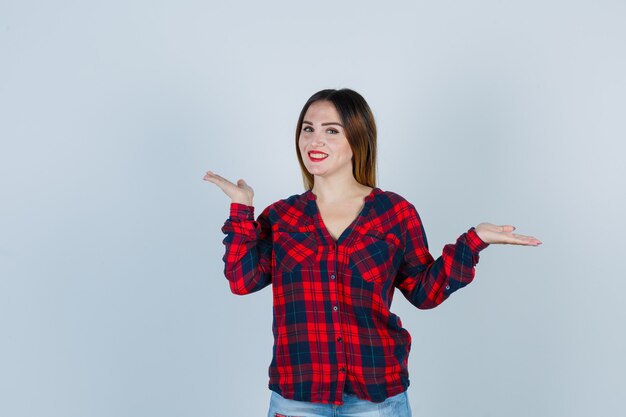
[360, 130]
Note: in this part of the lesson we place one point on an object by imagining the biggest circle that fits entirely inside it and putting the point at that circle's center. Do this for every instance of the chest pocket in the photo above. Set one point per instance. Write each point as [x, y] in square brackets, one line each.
[295, 247]
[372, 255]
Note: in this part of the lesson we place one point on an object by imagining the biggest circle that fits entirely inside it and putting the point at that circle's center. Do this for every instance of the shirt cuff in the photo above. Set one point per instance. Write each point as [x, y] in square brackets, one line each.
[474, 241]
[240, 211]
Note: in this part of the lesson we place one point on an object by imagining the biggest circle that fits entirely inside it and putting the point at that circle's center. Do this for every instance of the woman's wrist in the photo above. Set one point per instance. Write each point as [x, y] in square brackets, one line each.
[244, 202]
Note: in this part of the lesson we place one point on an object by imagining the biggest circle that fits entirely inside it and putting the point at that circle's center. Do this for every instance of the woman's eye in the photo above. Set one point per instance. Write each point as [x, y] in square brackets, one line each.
[307, 129]
[333, 131]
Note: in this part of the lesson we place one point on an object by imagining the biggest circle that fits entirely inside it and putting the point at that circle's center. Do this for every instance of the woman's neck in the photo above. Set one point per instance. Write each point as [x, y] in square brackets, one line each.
[336, 190]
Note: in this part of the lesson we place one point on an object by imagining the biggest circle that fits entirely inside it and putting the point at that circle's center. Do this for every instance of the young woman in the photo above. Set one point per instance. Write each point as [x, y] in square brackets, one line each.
[334, 256]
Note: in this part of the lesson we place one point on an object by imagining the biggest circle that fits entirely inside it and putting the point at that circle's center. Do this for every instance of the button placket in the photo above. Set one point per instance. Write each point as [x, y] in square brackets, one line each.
[340, 353]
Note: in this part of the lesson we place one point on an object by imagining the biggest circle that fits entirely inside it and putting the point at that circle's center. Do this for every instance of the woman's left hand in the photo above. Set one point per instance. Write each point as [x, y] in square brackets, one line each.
[491, 233]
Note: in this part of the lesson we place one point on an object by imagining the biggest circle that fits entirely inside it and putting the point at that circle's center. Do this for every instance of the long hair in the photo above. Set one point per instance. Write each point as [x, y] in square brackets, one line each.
[360, 130]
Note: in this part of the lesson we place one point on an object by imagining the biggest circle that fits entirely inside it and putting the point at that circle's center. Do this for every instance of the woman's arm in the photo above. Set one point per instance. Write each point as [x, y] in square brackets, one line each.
[427, 282]
[248, 249]
[248, 255]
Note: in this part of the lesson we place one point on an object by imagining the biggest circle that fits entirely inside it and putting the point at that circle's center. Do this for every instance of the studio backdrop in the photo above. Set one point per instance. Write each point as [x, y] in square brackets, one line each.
[113, 300]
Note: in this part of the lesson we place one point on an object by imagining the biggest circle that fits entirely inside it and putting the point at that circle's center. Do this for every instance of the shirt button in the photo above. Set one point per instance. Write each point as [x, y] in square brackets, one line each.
[332, 276]
[335, 308]
[339, 339]
[447, 287]
[342, 369]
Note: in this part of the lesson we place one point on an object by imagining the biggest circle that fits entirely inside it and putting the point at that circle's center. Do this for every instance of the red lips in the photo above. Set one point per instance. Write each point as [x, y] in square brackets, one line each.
[317, 159]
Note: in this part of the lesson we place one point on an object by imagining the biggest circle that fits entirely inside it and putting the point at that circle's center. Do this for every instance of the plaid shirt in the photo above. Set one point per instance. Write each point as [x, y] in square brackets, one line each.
[332, 324]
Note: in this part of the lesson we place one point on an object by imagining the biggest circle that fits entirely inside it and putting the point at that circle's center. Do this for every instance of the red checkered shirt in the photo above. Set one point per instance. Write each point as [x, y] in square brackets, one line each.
[332, 320]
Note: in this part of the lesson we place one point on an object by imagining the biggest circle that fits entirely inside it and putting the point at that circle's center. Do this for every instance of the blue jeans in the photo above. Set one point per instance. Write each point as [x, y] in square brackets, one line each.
[396, 406]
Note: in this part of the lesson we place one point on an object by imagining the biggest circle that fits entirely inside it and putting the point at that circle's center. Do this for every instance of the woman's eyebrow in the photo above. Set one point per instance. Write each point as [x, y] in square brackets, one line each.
[324, 124]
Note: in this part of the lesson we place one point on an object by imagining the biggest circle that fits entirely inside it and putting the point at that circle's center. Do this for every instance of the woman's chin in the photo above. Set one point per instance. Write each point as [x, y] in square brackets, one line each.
[316, 171]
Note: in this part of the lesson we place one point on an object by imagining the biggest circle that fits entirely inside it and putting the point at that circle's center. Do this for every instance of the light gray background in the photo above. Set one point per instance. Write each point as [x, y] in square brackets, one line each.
[112, 295]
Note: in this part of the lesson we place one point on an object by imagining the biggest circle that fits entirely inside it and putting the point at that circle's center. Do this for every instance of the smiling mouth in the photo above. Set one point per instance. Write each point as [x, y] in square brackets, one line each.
[317, 156]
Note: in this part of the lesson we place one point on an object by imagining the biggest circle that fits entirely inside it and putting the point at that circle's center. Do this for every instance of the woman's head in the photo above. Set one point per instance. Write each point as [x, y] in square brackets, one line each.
[356, 124]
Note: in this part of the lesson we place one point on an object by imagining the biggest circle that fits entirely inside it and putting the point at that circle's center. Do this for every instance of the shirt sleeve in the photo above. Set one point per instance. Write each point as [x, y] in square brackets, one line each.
[248, 249]
[427, 282]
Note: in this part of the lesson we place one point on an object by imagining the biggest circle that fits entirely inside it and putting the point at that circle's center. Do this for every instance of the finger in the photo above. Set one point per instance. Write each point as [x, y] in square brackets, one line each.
[221, 182]
[523, 236]
[244, 185]
[529, 243]
[220, 178]
[214, 179]
[506, 228]
[524, 240]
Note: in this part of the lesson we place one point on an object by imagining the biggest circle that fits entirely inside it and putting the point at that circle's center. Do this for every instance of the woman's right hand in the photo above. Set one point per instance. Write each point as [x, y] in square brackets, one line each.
[240, 193]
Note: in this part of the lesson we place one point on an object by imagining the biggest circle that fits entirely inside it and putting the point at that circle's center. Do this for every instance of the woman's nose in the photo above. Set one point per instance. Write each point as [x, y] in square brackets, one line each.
[318, 140]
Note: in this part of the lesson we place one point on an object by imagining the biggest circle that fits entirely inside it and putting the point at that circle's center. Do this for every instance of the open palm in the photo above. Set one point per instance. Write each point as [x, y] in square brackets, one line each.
[491, 233]
[239, 193]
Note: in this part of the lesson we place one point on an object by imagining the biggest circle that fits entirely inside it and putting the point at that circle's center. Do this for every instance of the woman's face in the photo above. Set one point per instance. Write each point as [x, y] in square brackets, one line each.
[323, 145]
